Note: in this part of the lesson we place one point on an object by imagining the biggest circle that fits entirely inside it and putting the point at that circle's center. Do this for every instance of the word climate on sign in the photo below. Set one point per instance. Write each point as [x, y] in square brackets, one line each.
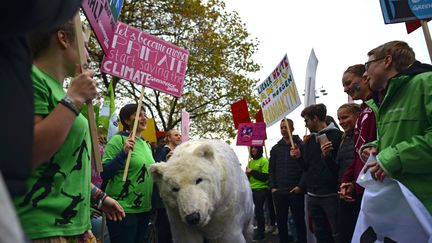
[278, 93]
[135, 55]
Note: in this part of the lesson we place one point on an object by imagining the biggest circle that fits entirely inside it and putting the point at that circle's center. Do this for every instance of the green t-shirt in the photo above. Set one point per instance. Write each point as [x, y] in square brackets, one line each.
[134, 195]
[260, 165]
[57, 202]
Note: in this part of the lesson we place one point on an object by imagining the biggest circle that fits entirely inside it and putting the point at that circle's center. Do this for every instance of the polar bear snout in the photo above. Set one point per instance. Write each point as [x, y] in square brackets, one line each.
[193, 218]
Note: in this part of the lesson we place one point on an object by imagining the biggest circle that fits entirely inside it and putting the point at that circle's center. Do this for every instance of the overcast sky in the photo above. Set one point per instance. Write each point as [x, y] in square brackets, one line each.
[340, 31]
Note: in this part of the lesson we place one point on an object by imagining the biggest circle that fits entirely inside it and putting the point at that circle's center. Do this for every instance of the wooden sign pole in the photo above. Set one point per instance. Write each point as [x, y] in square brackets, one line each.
[90, 111]
[427, 37]
[137, 114]
[289, 133]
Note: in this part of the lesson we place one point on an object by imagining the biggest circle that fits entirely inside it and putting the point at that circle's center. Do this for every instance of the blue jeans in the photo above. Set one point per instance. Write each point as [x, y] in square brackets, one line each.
[96, 229]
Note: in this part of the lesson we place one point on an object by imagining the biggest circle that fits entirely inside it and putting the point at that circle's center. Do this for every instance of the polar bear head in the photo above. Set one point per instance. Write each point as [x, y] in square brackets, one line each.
[191, 183]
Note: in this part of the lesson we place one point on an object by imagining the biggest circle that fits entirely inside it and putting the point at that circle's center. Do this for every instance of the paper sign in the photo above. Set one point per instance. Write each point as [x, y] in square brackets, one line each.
[240, 112]
[116, 6]
[147, 60]
[251, 134]
[102, 21]
[185, 125]
[278, 94]
[406, 10]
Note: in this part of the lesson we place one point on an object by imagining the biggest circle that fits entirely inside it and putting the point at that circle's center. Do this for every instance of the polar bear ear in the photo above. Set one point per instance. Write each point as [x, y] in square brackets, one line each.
[206, 151]
[157, 171]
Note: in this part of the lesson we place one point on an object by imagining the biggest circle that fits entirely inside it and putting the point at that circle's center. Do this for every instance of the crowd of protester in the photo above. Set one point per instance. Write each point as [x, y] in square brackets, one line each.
[49, 191]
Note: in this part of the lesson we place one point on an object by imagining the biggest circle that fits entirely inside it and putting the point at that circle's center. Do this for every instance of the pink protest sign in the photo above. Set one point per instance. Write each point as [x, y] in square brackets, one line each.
[251, 134]
[142, 58]
[185, 125]
[98, 13]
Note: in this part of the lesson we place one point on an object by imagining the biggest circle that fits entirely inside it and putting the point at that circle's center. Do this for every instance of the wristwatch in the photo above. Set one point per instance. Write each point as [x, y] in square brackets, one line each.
[70, 104]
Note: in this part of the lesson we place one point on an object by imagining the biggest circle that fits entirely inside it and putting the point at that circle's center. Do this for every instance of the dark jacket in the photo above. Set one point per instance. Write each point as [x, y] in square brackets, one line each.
[285, 172]
[16, 93]
[345, 154]
[321, 172]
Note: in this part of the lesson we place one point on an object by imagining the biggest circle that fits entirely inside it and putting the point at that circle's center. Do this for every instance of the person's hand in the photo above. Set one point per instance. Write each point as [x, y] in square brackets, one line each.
[326, 148]
[295, 152]
[306, 137]
[273, 190]
[129, 144]
[95, 214]
[296, 190]
[248, 170]
[366, 152]
[346, 190]
[83, 87]
[112, 209]
[376, 171]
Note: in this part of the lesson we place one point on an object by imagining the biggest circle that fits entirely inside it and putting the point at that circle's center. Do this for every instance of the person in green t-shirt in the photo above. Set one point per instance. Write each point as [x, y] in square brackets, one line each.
[257, 172]
[56, 206]
[134, 194]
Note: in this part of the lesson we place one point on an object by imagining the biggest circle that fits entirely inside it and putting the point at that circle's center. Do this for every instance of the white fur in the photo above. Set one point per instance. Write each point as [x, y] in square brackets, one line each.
[205, 177]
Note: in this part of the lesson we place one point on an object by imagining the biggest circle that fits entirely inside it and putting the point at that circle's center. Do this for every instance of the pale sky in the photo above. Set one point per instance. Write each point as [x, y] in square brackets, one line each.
[340, 31]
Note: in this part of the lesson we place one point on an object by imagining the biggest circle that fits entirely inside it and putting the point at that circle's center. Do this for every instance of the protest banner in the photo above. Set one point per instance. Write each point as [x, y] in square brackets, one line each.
[251, 134]
[147, 60]
[278, 93]
[403, 11]
[259, 116]
[240, 112]
[185, 126]
[409, 11]
[390, 212]
[144, 59]
[116, 6]
[100, 16]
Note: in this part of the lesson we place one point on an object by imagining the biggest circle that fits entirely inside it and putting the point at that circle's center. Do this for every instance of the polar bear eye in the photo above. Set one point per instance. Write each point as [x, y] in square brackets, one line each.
[198, 181]
[175, 189]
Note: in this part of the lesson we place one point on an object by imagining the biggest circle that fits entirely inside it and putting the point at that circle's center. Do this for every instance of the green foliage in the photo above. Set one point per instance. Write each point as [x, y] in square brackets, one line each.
[220, 60]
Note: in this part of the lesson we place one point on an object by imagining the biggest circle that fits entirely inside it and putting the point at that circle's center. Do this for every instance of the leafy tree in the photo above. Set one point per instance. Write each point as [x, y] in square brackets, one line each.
[220, 58]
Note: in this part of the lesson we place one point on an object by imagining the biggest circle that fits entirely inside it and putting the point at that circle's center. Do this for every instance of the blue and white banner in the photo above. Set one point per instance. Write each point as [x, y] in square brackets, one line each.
[390, 211]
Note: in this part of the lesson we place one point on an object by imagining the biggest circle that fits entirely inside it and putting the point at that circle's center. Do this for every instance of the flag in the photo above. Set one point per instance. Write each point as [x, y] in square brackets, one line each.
[310, 79]
[413, 25]
[107, 110]
[389, 210]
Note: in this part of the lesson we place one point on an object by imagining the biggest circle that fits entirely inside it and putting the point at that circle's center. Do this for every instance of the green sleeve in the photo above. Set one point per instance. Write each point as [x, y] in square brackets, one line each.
[265, 166]
[40, 95]
[114, 146]
[413, 155]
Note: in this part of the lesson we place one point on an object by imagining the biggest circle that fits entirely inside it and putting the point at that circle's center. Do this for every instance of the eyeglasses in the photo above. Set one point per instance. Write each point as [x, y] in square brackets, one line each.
[371, 61]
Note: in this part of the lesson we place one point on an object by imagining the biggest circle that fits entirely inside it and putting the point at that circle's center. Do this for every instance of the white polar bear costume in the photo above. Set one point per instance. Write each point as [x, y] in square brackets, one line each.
[206, 194]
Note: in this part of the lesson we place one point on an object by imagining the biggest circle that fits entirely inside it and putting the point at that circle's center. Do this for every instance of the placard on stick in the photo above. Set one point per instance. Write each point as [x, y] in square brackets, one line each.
[144, 59]
[251, 134]
[99, 15]
[135, 54]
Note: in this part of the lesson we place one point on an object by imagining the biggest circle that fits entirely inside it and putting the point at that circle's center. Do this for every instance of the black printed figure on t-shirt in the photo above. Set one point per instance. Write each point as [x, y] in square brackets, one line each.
[142, 174]
[45, 182]
[125, 190]
[138, 200]
[80, 150]
[69, 211]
